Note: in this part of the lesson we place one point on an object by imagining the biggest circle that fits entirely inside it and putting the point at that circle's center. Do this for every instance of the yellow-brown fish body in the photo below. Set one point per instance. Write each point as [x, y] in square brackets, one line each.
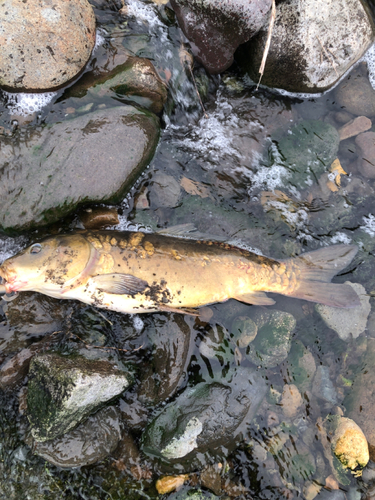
[133, 272]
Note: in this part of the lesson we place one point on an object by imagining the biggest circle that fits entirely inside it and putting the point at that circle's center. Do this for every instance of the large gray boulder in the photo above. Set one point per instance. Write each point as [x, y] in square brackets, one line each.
[44, 44]
[92, 158]
[64, 390]
[217, 28]
[314, 42]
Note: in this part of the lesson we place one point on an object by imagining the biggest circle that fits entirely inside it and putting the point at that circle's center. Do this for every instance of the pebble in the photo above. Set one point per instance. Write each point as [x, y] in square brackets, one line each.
[291, 400]
[99, 218]
[322, 385]
[355, 127]
[355, 94]
[349, 444]
[167, 484]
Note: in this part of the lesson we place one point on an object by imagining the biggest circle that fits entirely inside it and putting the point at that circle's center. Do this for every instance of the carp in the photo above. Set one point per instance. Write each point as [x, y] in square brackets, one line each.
[135, 272]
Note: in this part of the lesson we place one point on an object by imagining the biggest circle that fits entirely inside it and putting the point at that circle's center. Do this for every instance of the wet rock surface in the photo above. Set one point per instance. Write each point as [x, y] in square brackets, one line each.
[170, 347]
[95, 157]
[216, 29]
[355, 94]
[62, 391]
[134, 80]
[88, 443]
[44, 44]
[204, 418]
[360, 401]
[366, 146]
[349, 323]
[273, 341]
[298, 59]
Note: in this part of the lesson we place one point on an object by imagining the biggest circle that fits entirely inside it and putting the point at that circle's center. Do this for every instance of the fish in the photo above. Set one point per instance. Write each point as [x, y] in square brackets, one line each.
[136, 272]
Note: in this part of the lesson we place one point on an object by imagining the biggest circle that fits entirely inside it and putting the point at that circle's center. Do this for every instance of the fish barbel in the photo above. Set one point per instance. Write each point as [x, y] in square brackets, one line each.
[134, 272]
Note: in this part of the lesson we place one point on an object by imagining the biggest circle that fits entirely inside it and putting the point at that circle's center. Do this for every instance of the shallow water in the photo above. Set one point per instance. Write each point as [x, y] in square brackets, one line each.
[222, 164]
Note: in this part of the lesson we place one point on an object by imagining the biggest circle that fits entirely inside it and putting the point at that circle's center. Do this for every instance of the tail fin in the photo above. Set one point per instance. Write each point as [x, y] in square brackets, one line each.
[316, 271]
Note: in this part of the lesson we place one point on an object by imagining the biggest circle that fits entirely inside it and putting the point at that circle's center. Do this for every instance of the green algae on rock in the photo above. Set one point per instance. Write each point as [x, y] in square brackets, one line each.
[64, 390]
[93, 158]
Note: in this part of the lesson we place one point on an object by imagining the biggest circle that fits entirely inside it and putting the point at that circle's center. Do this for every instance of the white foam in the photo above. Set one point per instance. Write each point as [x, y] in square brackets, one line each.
[25, 104]
[138, 323]
[369, 58]
[340, 238]
[213, 137]
[270, 178]
[147, 13]
[99, 39]
[369, 225]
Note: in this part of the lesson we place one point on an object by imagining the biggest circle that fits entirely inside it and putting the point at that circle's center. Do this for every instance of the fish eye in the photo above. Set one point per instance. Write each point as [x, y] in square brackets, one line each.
[36, 248]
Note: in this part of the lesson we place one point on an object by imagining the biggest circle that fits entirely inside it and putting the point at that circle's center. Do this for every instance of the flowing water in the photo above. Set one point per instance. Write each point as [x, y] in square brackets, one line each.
[226, 174]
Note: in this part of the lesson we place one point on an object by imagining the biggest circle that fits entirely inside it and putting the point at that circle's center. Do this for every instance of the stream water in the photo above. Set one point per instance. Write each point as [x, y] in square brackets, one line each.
[223, 171]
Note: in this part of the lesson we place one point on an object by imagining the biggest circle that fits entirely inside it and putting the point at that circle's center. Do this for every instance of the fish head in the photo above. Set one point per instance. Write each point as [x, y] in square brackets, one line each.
[49, 265]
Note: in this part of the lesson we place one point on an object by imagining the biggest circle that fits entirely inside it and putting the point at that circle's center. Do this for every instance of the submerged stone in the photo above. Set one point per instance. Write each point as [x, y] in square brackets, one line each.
[43, 44]
[89, 159]
[348, 442]
[360, 402]
[135, 80]
[347, 323]
[62, 391]
[170, 339]
[90, 442]
[204, 419]
[274, 338]
[307, 150]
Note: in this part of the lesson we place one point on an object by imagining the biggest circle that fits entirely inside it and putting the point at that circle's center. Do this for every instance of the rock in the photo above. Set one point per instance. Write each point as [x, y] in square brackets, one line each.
[368, 473]
[366, 145]
[308, 149]
[126, 455]
[92, 158]
[322, 385]
[216, 29]
[16, 368]
[90, 442]
[135, 80]
[355, 127]
[300, 366]
[244, 331]
[211, 478]
[306, 53]
[331, 495]
[29, 317]
[165, 191]
[204, 419]
[359, 403]
[62, 391]
[192, 494]
[355, 94]
[44, 44]
[170, 339]
[99, 217]
[273, 341]
[167, 484]
[347, 323]
[349, 444]
[291, 400]
[343, 117]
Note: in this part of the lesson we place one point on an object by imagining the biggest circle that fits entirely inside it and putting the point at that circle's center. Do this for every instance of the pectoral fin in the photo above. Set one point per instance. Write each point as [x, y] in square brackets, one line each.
[119, 284]
[255, 298]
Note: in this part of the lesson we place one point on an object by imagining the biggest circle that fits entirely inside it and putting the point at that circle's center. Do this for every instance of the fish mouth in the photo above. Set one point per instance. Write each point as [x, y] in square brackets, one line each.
[10, 281]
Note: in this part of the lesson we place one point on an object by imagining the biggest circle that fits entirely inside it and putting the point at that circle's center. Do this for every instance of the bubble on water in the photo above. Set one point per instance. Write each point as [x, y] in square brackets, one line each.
[26, 104]
[340, 238]
[369, 58]
[99, 39]
[369, 225]
[11, 246]
[270, 178]
[138, 323]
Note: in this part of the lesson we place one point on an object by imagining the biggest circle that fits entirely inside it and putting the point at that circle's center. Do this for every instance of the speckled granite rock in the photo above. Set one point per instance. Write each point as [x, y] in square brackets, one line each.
[43, 43]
